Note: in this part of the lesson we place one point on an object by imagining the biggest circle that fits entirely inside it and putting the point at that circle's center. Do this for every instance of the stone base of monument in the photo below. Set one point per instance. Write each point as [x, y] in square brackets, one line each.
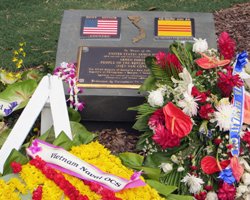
[110, 104]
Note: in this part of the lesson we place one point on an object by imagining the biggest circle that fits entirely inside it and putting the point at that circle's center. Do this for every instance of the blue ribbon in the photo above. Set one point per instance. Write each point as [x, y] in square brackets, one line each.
[237, 116]
[9, 110]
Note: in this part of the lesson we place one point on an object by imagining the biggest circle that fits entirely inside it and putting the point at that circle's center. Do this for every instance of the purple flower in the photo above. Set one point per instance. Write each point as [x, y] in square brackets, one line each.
[34, 148]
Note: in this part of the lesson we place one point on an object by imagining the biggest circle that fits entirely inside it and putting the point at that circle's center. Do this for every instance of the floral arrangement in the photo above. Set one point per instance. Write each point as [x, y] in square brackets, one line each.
[44, 182]
[196, 118]
[67, 72]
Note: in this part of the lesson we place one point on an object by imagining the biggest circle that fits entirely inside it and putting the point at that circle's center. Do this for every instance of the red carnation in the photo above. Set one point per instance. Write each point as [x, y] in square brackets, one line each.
[169, 59]
[217, 141]
[16, 167]
[201, 196]
[199, 72]
[176, 121]
[246, 137]
[37, 193]
[226, 46]
[157, 118]
[205, 111]
[226, 192]
[172, 60]
[165, 138]
[161, 59]
[227, 81]
[201, 96]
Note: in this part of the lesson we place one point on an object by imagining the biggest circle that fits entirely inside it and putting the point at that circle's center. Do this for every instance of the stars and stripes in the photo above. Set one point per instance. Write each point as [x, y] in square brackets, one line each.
[99, 26]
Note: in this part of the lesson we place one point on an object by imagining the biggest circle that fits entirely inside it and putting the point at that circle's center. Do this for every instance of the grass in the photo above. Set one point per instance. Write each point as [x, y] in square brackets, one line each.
[37, 22]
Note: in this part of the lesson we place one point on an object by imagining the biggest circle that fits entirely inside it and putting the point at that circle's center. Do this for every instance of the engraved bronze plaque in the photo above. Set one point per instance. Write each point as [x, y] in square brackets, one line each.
[113, 67]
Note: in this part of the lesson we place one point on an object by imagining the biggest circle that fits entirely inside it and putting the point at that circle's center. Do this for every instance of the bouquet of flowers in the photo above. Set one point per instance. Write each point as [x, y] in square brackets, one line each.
[196, 118]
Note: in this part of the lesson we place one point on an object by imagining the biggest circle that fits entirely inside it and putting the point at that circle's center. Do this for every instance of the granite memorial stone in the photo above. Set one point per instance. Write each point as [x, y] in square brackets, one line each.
[110, 47]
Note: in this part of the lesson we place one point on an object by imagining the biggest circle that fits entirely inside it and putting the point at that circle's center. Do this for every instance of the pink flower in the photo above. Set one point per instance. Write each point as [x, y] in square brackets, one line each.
[165, 138]
[226, 46]
[161, 59]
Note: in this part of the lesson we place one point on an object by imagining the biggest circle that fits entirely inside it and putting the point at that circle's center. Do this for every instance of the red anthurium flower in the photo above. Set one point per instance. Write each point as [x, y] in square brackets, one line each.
[176, 121]
[207, 62]
[247, 109]
[209, 165]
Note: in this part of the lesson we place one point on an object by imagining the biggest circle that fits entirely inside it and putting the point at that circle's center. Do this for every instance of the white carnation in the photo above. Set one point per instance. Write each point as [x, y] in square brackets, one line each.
[241, 189]
[166, 167]
[200, 45]
[155, 98]
[246, 178]
[223, 114]
[194, 183]
[211, 196]
[180, 169]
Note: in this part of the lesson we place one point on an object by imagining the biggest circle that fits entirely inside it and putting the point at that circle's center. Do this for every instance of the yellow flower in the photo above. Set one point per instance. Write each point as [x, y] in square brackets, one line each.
[15, 52]
[20, 50]
[21, 44]
[9, 77]
[14, 59]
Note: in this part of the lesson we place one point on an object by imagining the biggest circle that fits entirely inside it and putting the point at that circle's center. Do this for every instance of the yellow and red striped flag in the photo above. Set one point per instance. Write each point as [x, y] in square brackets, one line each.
[174, 28]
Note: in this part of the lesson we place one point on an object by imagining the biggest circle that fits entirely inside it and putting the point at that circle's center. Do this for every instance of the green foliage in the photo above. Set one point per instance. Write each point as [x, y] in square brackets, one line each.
[74, 115]
[3, 136]
[142, 139]
[148, 84]
[14, 156]
[155, 159]
[161, 188]
[20, 92]
[63, 141]
[131, 159]
[179, 197]
[184, 54]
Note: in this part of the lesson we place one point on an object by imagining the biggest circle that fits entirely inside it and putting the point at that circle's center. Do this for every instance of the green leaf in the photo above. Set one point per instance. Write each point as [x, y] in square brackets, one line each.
[131, 159]
[74, 115]
[14, 156]
[48, 136]
[141, 124]
[161, 188]
[151, 173]
[63, 141]
[179, 197]
[150, 61]
[142, 139]
[20, 92]
[32, 74]
[155, 159]
[148, 84]
[3, 136]
[80, 134]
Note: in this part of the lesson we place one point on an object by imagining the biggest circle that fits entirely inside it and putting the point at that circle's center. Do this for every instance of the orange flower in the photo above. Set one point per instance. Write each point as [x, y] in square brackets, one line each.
[247, 109]
[207, 62]
[177, 122]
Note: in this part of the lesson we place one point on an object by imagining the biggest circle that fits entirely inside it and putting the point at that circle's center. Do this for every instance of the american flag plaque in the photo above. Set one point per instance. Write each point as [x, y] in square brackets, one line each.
[100, 27]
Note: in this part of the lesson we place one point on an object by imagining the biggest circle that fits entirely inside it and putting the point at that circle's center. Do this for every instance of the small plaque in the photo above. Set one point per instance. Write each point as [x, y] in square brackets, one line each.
[100, 27]
[113, 67]
[174, 29]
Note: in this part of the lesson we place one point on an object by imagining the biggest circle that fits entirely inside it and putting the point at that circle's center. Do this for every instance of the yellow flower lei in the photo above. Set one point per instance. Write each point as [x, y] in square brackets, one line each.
[93, 153]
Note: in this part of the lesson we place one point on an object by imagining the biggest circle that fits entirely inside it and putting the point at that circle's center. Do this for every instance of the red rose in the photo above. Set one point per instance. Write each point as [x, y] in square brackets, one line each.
[205, 111]
[165, 138]
[176, 121]
[226, 192]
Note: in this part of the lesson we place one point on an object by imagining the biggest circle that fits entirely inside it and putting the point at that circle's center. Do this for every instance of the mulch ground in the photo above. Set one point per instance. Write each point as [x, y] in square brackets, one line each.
[235, 21]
